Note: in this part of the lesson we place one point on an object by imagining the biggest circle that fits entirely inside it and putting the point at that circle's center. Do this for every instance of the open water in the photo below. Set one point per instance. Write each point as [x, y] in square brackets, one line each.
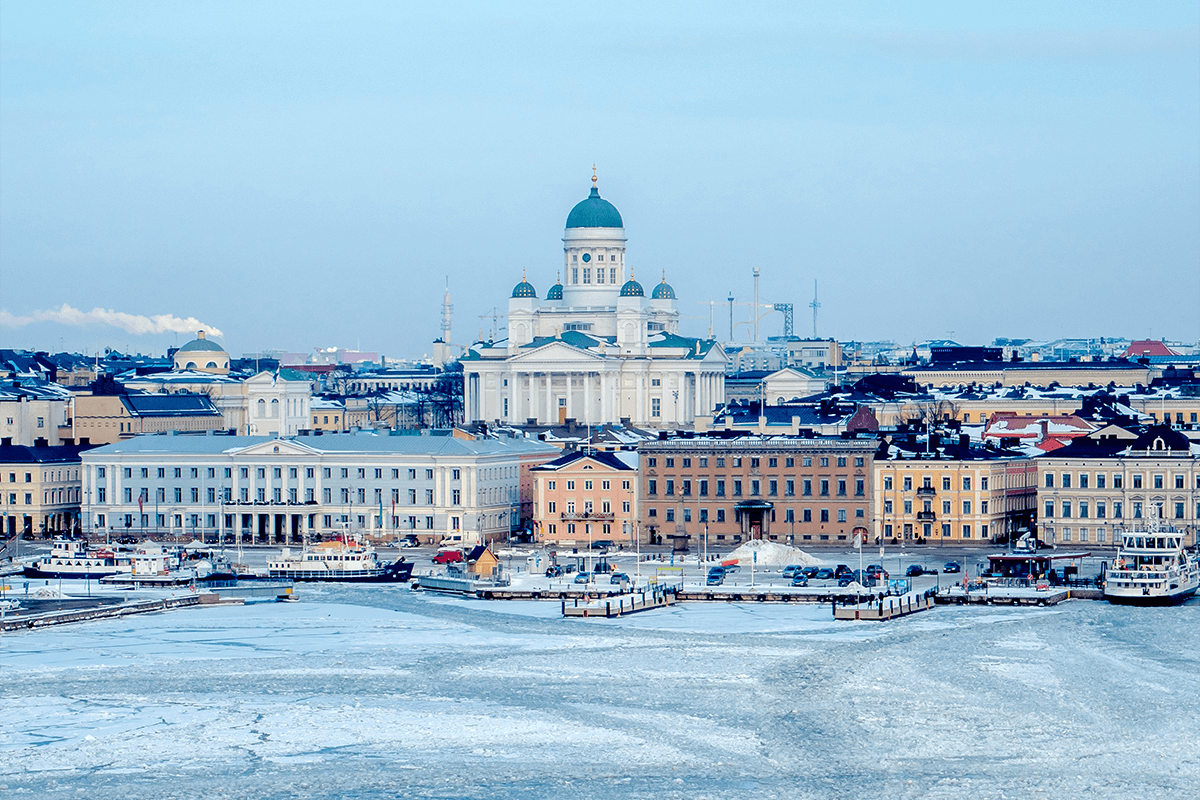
[380, 692]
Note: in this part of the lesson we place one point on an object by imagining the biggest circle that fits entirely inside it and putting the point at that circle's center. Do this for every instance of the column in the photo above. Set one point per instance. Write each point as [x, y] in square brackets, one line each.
[570, 405]
[551, 417]
[605, 379]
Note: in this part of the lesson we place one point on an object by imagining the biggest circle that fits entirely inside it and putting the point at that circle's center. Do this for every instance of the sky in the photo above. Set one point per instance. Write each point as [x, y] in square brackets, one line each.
[299, 175]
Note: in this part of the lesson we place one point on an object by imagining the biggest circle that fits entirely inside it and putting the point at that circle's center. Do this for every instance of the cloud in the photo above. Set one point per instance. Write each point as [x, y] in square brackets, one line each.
[130, 323]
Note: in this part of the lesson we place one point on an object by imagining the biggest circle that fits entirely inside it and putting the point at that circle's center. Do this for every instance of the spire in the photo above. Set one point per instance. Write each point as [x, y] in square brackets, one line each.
[664, 280]
[593, 176]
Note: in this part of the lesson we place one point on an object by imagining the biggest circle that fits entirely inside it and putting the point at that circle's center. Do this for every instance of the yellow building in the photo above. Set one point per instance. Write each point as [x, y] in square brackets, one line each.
[104, 419]
[40, 489]
[951, 492]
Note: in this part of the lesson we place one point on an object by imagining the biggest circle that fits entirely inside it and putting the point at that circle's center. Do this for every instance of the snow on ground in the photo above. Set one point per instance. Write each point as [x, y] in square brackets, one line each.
[772, 554]
[379, 691]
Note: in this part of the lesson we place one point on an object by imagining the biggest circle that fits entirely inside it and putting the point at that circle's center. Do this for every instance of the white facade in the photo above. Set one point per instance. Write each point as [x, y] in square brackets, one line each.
[597, 349]
[280, 489]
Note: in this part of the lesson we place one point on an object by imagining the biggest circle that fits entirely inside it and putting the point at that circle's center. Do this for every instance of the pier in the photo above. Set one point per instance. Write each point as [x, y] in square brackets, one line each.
[625, 604]
[85, 611]
[882, 608]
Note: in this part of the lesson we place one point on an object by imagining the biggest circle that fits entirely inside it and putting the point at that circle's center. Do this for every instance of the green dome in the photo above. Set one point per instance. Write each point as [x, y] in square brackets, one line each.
[555, 292]
[632, 289]
[594, 212]
[201, 343]
[524, 289]
[663, 291]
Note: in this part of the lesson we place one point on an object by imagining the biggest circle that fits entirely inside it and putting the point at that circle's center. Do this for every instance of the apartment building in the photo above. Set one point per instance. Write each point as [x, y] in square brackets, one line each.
[585, 496]
[39, 488]
[1116, 477]
[813, 490]
[951, 491]
[267, 489]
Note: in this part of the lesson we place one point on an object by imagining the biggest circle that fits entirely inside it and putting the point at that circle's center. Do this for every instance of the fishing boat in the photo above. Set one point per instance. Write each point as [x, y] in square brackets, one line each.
[344, 559]
[1152, 567]
[70, 558]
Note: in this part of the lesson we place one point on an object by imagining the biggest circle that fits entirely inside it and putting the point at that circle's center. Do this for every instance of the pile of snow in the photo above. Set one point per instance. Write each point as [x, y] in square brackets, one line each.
[772, 554]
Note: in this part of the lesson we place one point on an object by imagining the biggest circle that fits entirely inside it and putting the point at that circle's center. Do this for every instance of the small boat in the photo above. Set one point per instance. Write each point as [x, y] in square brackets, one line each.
[344, 559]
[70, 558]
[1152, 568]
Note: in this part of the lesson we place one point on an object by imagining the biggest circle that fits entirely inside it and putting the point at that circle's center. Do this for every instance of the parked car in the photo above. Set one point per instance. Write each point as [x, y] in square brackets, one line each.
[604, 544]
[841, 571]
[800, 579]
[876, 571]
[792, 570]
[583, 577]
[618, 579]
[864, 578]
[824, 574]
[810, 572]
[845, 581]
[914, 570]
[952, 566]
[730, 568]
[448, 557]
[716, 576]
[410, 540]
[554, 571]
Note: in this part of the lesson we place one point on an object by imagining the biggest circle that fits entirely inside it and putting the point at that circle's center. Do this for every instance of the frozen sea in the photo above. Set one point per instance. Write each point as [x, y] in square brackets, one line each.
[381, 692]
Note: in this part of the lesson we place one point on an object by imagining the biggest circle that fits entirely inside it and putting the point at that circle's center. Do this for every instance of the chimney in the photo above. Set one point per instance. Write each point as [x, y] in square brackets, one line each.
[40, 442]
[6, 441]
[1045, 430]
[964, 441]
[85, 441]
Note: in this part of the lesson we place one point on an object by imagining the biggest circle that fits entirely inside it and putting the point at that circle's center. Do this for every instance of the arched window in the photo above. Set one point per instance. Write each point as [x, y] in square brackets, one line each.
[274, 408]
[211, 365]
[1159, 444]
[262, 407]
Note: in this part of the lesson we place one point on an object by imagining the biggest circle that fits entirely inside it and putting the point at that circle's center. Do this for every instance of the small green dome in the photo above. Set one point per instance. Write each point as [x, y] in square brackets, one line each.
[201, 343]
[663, 291]
[632, 289]
[594, 212]
[524, 289]
[555, 292]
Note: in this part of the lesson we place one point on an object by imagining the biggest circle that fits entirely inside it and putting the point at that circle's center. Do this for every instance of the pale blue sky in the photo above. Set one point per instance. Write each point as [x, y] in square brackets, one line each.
[304, 175]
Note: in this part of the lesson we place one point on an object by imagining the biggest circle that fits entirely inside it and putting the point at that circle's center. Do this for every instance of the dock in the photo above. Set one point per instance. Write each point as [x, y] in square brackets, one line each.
[28, 619]
[625, 604]
[884, 608]
[1017, 595]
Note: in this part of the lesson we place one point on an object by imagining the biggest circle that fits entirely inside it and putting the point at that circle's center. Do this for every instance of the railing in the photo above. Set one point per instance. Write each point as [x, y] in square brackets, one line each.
[926, 515]
[588, 516]
[926, 490]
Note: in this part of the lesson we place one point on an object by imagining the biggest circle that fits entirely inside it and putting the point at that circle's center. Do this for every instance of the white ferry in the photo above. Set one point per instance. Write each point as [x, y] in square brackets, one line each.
[1152, 568]
[72, 559]
[339, 560]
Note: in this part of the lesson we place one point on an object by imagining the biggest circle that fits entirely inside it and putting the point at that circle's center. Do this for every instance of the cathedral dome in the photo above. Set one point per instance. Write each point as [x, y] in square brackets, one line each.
[594, 212]
[632, 289]
[663, 291]
[555, 292]
[524, 289]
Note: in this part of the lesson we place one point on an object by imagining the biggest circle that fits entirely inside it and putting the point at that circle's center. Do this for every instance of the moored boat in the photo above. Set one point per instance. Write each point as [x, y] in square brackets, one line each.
[1152, 567]
[70, 558]
[341, 560]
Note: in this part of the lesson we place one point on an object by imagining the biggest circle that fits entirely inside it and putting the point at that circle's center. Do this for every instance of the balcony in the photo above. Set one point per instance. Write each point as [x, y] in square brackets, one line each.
[587, 516]
[926, 491]
[926, 516]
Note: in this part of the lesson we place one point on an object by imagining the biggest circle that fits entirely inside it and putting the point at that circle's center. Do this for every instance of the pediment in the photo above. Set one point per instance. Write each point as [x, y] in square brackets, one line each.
[276, 448]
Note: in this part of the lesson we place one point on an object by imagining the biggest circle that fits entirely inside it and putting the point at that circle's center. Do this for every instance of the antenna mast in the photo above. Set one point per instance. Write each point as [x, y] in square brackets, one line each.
[814, 305]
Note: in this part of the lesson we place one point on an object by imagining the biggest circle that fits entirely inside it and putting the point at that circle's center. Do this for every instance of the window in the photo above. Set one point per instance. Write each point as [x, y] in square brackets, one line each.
[945, 529]
[1118, 480]
[806, 515]
[737, 488]
[824, 487]
[428, 474]
[841, 515]
[685, 488]
[670, 462]
[908, 506]
[860, 487]
[651, 462]
[670, 515]
[1137, 482]
[429, 497]
[789, 488]
[670, 488]
[1083, 480]
[1158, 481]
[455, 475]
[824, 461]
[808, 487]
[720, 515]
[887, 506]
[1049, 480]
[755, 489]
[652, 487]
[456, 497]
[824, 515]
[655, 407]
[703, 487]
[807, 461]
[907, 483]
[1083, 509]
[966, 531]
[887, 483]
[1066, 509]
[1117, 509]
[966, 506]
[966, 484]
[983, 506]
[1101, 509]
[720, 487]
[1179, 510]
[945, 507]
[1179, 481]
[841, 462]
[657, 382]
[1100, 480]
[841, 487]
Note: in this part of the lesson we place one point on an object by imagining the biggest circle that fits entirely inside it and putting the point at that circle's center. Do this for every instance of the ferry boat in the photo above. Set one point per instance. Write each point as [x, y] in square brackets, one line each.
[1152, 568]
[70, 558]
[340, 560]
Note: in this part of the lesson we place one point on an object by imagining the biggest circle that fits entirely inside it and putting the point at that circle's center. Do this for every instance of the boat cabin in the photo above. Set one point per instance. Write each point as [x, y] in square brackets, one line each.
[1033, 567]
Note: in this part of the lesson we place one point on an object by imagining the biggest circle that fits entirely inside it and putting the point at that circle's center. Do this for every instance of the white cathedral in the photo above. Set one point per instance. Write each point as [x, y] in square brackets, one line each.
[596, 350]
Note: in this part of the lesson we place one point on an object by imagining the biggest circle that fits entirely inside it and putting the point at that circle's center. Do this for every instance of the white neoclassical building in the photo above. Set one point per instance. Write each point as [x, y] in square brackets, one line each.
[597, 349]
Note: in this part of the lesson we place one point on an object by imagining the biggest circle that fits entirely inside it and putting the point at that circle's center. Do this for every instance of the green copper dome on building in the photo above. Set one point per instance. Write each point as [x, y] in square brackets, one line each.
[555, 292]
[632, 289]
[524, 289]
[663, 291]
[595, 211]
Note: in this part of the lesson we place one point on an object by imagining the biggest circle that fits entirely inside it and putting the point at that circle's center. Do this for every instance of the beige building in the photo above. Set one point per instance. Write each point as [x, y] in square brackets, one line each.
[33, 414]
[103, 419]
[586, 496]
[952, 494]
[40, 489]
[1116, 477]
[201, 355]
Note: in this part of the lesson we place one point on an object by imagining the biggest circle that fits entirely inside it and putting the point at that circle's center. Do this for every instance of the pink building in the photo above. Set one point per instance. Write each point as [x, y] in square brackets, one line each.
[586, 496]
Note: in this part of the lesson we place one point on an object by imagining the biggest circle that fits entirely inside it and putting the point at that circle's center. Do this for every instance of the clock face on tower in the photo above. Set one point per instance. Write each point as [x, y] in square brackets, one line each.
[587, 257]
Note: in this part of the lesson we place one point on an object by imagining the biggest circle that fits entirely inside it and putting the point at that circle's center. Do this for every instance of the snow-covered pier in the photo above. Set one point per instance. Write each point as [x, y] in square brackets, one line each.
[29, 617]
[625, 604]
[885, 607]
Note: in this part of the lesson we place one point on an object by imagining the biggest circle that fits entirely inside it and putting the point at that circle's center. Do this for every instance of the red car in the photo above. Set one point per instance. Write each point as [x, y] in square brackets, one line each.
[448, 557]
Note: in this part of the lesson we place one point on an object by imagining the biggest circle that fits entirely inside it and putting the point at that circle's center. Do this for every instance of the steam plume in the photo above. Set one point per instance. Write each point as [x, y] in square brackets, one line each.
[130, 323]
